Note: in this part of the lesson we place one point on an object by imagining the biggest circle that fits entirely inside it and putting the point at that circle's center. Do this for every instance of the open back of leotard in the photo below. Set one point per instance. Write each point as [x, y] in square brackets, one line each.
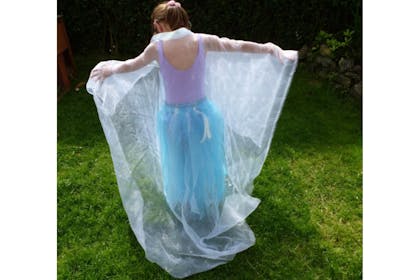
[183, 86]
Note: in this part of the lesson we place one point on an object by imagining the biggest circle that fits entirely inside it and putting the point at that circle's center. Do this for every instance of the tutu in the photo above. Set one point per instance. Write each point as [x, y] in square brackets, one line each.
[187, 144]
[193, 161]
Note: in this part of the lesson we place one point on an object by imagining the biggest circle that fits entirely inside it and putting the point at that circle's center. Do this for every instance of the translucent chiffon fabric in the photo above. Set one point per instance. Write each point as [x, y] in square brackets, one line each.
[185, 168]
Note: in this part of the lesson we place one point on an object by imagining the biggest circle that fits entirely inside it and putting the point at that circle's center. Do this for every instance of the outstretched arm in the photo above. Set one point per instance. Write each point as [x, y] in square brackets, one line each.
[148, 55]
[214, 43]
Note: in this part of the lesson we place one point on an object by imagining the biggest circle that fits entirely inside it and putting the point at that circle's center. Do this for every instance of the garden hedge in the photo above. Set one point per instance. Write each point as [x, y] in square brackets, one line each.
[124, 25]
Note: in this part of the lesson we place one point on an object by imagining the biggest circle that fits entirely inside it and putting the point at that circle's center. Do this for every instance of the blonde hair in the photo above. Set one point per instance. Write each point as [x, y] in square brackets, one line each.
[174, 15]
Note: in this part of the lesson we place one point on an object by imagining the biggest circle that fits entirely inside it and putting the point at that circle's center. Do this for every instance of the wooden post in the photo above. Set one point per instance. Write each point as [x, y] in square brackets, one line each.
[65, 60]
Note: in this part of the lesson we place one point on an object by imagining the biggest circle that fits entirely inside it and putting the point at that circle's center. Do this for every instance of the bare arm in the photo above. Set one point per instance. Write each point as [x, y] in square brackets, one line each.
[214, 43]
[148, 55]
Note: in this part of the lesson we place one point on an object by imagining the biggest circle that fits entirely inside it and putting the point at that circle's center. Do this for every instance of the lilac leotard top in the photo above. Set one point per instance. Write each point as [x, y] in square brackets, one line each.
[183, 86]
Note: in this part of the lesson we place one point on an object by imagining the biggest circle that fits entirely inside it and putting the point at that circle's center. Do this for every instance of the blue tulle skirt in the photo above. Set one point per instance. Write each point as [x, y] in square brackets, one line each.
[193, 161]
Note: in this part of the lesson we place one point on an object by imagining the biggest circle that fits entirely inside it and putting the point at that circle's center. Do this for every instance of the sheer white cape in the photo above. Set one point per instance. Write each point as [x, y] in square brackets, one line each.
[249, 89]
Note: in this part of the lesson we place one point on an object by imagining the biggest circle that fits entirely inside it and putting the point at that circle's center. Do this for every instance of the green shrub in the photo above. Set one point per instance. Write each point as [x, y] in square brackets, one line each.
[338, 46]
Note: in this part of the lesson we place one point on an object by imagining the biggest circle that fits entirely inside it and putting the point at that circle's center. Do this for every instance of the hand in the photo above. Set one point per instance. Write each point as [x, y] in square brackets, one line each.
[101, 73]
[291, 55]
[271, 48]
[282, 55]
[275, 51]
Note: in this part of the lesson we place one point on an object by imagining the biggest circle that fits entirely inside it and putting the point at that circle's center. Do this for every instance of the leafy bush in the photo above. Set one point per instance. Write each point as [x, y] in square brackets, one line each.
[339, 47]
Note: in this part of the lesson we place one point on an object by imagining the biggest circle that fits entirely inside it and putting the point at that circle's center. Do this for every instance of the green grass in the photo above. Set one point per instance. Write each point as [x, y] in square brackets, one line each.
[308, 226]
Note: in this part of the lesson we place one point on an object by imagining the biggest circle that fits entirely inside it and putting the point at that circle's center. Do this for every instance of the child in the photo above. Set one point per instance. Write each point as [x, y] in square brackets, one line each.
[189, 123]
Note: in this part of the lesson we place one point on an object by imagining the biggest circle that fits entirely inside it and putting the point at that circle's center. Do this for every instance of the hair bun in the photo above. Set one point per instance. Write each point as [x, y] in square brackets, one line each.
[173, 3]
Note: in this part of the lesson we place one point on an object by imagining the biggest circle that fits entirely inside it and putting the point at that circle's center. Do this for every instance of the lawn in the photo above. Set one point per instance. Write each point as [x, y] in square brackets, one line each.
[309, 222]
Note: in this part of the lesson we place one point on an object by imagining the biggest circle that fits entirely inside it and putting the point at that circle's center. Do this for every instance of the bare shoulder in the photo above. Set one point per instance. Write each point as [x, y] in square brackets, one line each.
[151, 47]
[151, 50]
[210, 41]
